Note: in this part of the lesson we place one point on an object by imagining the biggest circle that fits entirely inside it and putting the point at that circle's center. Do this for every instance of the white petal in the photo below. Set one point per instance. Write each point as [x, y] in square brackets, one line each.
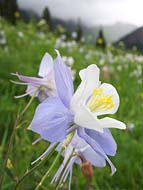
[108, 122]
[91, 75]
[86, 119]
[111, 90]
[90, 80]
[46, 66]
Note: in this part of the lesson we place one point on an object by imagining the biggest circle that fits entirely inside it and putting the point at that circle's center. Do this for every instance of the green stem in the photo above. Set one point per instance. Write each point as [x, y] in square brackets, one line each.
[27, 106]
[11, 140]
[29, 172]
[50, 169]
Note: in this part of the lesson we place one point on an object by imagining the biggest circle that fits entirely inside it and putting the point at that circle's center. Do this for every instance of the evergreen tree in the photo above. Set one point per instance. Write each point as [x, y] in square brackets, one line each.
[79, 31]
[100, 41]
[47, 17]
[9, 10]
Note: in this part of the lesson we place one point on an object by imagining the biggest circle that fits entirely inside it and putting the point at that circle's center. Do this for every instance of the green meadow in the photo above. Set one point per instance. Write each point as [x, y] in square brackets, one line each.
[24, 47]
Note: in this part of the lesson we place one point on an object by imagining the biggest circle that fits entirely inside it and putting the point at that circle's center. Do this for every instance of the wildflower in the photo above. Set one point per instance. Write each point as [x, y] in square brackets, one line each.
[60, 42]
[43, 86]
[88, 55]
[83, 39]
[56, 116]
[130, 126]
[81, 50]
[20, 34]
[73, 72]
[74, 35]
[69, 61]
[3, 40]
[41, 35]
[90, 100]
[63, 37]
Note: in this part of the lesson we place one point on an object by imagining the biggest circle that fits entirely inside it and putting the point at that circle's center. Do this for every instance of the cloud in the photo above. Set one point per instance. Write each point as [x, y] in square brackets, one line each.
[91, 12]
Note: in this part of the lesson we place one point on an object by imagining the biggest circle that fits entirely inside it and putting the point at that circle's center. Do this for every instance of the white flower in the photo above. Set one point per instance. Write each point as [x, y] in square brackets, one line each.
[63, 37]
[74, 35]
[82, 39]
[3, 40]
[81, 50]
[73, 72]
[20, 34]
[93, 99]
[69, 61]
[130, 126]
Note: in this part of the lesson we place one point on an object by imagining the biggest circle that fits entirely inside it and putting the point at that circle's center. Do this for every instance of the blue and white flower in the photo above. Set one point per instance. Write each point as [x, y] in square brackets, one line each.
[42, 86]
[79, 111]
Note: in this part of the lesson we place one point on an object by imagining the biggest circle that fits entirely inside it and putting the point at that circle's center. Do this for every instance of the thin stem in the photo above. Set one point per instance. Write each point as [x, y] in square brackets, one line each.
[59, 181]
[29, 172]
[27, 106]
[11, 139]
[50, 169]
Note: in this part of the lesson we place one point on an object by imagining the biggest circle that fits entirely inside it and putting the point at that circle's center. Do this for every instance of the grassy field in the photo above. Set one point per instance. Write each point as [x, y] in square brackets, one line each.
[22, 52]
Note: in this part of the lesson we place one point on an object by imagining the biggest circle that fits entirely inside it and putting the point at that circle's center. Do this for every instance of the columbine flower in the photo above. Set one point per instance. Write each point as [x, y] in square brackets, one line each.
[92, 99]
[40, 87]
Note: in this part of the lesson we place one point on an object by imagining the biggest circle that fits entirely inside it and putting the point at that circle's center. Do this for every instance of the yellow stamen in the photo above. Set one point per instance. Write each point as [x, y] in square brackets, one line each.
[100, 101]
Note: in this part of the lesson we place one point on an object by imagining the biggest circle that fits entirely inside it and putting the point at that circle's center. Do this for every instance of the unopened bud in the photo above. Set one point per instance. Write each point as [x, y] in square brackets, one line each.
[87, 170]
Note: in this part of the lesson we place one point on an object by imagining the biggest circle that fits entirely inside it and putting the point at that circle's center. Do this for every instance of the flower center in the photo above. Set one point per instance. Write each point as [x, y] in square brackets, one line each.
[99, 101]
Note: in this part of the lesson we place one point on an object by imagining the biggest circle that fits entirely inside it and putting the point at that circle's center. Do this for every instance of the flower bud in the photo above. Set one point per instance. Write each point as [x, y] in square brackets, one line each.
[87, 170]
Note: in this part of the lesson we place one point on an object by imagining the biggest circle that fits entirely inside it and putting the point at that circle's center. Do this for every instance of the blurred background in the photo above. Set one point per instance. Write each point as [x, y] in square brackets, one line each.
[108, 33]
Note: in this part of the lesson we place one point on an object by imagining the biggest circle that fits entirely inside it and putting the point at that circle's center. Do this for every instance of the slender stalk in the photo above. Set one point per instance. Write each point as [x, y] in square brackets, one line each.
[29, 172]
[59, 181]
[11, 139]
[50, 169]
[27, 106]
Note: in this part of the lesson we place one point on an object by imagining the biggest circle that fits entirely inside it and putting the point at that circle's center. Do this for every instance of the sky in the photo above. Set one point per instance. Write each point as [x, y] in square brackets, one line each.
[91, 12]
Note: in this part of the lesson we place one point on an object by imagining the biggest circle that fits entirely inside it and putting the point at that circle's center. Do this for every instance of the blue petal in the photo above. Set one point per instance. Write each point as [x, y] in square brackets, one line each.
[63, 80]
[51, 120]
[105, 140]
[78, 142]
[89, 154]
[96, 147]
[94, 158]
